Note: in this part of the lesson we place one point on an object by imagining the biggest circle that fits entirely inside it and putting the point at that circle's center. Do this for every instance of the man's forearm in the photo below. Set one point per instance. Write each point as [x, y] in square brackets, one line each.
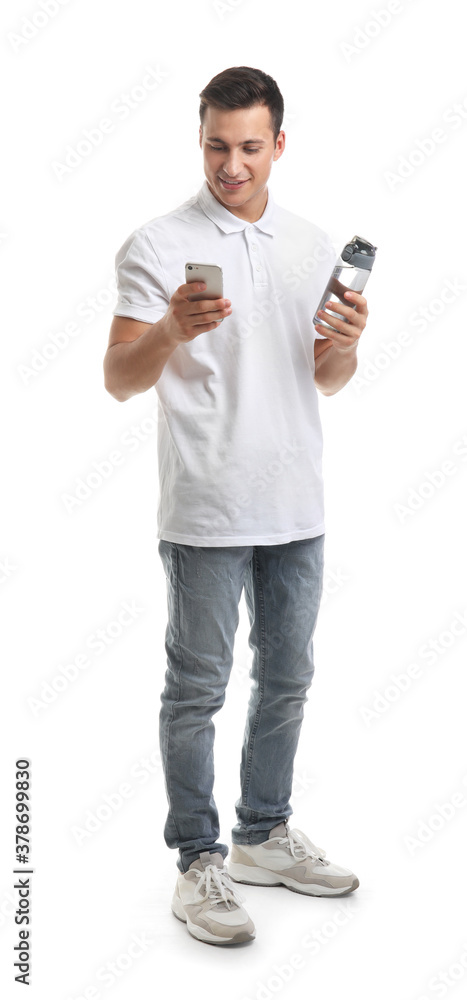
[333, 369]
[134, 366]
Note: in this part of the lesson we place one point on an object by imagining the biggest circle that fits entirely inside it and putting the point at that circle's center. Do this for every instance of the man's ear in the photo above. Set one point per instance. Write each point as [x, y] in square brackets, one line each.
[280, 145]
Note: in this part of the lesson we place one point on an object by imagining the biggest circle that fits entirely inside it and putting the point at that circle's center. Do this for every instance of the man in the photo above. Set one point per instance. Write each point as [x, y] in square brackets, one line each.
[241, 493]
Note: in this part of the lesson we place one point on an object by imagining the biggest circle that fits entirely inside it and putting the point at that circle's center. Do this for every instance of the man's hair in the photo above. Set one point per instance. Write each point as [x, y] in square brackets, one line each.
[243, 87]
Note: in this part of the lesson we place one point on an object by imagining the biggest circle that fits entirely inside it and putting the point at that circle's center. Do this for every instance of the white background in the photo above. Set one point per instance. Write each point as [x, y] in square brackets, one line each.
[363, 787]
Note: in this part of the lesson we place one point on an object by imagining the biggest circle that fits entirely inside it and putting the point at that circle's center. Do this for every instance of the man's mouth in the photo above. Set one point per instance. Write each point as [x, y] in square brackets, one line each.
[232, 185]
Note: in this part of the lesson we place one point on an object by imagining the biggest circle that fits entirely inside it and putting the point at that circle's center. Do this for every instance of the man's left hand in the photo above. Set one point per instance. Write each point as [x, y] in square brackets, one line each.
[346, 332]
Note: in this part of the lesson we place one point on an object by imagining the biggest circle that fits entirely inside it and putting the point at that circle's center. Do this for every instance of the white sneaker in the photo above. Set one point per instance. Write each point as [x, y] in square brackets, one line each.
[289, 858]
[209, 904]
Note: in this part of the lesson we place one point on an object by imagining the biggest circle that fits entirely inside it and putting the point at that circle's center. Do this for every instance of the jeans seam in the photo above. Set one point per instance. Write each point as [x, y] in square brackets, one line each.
[176, 618]
[261, 675]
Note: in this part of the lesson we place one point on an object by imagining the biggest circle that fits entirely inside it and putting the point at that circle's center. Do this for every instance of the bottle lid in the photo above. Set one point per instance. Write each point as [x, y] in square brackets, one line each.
[359, 253]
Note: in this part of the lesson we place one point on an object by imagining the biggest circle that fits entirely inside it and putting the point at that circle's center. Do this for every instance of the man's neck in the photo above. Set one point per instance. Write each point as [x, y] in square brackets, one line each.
[252, 210]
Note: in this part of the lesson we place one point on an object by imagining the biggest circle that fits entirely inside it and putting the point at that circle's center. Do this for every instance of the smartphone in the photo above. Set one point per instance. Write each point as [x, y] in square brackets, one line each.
[211, 274]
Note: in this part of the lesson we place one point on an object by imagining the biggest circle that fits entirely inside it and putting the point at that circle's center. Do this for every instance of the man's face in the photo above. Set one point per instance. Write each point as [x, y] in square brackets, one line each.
[239, 146]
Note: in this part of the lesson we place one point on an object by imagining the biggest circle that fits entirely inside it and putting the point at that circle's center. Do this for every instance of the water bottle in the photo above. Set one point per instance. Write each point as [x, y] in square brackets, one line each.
[352, 270]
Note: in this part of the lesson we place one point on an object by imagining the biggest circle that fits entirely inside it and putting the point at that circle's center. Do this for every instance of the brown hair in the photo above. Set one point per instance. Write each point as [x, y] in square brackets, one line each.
[242, 87]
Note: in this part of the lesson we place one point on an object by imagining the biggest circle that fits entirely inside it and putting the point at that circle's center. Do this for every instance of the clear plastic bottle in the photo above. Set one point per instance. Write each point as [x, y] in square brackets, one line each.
[351, 273]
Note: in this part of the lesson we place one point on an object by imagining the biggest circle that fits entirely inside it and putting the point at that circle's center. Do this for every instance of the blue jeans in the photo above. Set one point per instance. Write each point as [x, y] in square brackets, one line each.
[283, 587]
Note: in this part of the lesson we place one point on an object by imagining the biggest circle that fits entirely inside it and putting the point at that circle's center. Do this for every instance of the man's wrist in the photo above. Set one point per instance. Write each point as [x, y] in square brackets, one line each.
[350, 351]
[166, 334]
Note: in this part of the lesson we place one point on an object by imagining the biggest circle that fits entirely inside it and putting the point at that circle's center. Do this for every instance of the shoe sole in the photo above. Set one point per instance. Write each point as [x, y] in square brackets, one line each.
[201, 934]
[243, 873]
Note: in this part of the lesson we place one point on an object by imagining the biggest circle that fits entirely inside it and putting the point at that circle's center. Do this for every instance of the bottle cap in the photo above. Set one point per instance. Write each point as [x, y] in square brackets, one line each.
[359, 253]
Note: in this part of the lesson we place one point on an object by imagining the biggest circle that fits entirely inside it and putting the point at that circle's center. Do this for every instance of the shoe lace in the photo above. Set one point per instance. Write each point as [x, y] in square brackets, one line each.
[301, 847]
[215, 883]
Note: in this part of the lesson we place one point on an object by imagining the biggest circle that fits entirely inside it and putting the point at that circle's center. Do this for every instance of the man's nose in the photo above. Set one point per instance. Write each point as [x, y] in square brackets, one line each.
[233, 165]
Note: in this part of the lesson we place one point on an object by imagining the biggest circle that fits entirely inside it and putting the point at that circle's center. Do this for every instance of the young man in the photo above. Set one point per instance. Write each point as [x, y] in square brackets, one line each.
[241, 492]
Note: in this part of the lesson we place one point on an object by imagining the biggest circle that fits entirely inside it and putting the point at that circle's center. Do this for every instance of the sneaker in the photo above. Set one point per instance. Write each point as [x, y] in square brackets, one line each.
[209, 904]
[289, 858]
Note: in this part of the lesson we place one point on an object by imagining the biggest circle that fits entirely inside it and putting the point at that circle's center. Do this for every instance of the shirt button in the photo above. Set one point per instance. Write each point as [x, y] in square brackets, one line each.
[258, 267]
[253, 246]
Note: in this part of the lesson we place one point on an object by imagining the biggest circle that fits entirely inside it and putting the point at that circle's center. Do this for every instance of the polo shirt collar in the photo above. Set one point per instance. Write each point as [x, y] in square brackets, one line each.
[227, 221]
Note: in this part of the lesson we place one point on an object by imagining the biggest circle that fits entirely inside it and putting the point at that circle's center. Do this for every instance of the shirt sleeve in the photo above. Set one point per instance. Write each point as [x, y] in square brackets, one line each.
[141, 285]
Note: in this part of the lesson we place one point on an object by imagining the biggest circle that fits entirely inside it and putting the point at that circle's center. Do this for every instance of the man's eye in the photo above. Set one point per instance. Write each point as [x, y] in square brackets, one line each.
[219, 149]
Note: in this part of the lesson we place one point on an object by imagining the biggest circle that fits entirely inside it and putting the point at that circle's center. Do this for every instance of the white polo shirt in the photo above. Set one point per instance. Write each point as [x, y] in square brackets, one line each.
[239, 431]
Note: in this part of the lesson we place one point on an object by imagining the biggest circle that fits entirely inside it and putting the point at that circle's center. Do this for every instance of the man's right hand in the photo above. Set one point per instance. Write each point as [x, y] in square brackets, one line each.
[185, 320]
